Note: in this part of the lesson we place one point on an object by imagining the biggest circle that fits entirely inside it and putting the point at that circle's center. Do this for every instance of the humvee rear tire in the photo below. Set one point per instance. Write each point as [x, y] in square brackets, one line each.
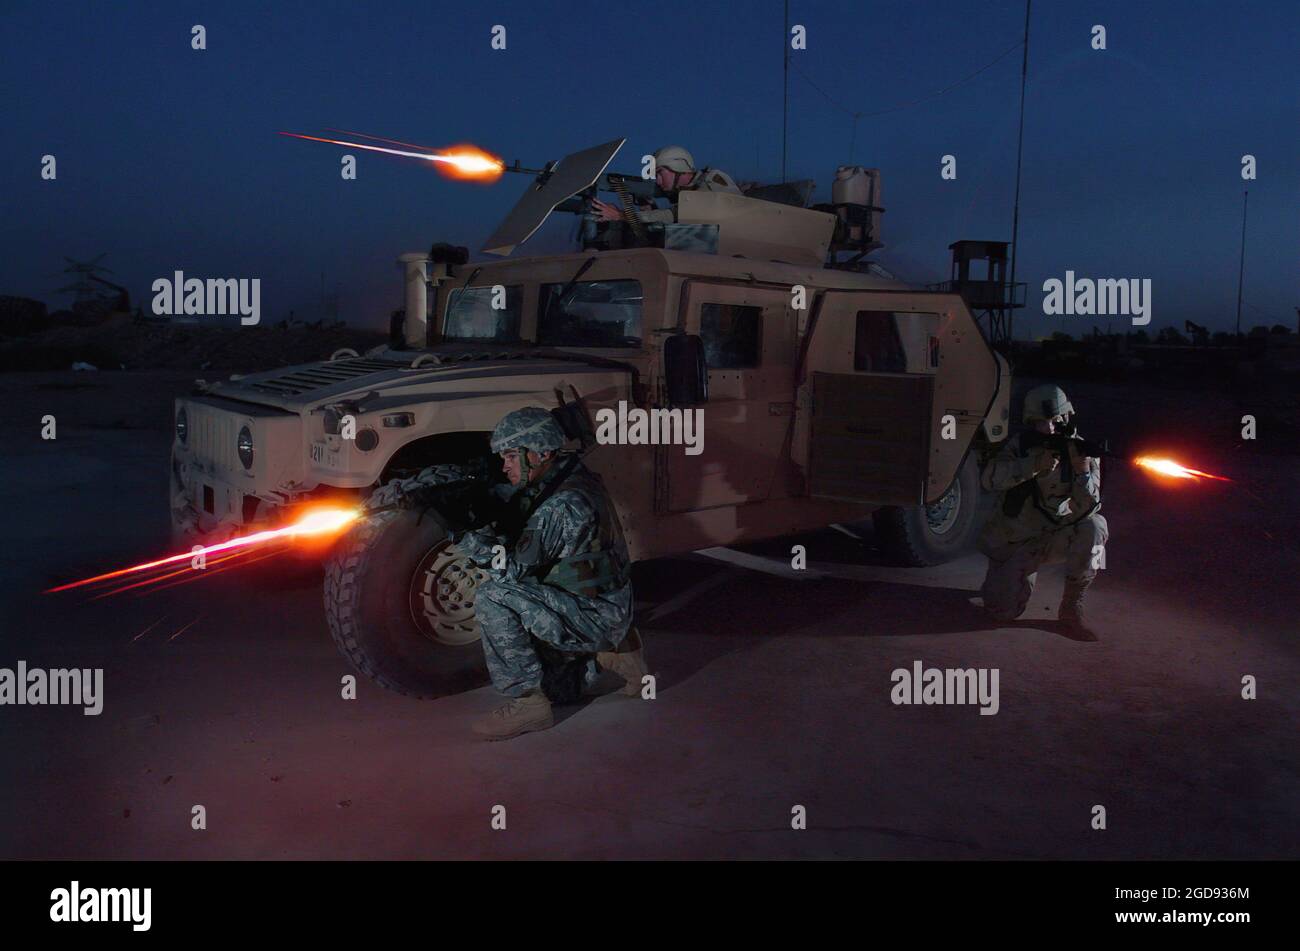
[923, 535]
[400, 606]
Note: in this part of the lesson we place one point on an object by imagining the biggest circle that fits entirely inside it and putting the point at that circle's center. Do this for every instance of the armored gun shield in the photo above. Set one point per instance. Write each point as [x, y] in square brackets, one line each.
[559, 182]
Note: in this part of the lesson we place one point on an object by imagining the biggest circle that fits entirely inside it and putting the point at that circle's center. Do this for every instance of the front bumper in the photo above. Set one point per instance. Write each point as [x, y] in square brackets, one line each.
[213, 495]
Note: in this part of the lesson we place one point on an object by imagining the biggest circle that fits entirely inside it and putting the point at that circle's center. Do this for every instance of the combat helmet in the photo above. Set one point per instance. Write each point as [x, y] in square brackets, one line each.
[529, 428]
[1046, 402]
[674, 158]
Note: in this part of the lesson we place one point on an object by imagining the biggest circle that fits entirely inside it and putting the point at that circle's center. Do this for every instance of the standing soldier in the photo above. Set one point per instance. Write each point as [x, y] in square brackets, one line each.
[557, 606]
[675, 172]
[1047, 513]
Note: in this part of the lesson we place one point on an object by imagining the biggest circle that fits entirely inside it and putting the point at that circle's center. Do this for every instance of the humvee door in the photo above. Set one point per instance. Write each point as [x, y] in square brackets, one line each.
[893, 387]
[748, 335]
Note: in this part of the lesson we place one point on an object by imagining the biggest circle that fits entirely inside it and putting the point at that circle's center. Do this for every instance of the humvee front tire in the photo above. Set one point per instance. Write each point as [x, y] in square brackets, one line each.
[400, 606]
[924, 535]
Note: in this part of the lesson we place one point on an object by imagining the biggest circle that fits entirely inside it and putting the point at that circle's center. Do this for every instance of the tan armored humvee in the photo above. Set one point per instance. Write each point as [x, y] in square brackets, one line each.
[831, 395]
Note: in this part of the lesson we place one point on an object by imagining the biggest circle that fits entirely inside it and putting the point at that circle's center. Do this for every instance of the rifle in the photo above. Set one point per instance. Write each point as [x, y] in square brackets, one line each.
[457, 497]
[1059, 443]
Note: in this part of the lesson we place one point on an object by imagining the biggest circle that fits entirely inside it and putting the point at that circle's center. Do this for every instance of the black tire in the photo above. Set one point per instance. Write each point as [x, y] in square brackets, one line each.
[920, 536]
[373, 588]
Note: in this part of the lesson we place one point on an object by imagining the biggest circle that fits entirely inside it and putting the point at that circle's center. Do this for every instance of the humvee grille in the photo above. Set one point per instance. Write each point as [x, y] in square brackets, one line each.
[212, 436]
[312, 378]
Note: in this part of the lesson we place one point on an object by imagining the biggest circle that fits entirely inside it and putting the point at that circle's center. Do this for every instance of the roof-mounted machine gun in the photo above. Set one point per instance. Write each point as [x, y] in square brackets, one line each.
[570, 185]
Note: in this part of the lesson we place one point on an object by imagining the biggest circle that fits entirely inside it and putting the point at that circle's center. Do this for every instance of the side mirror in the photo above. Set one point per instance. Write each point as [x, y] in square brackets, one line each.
[686, 373]
[574, 418]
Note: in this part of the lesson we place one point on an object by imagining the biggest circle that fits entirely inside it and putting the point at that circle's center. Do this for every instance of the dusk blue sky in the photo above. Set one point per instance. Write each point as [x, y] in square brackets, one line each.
[168, 158]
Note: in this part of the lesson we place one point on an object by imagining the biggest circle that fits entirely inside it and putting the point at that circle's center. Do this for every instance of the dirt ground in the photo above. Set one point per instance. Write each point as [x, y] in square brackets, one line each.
[774, 687]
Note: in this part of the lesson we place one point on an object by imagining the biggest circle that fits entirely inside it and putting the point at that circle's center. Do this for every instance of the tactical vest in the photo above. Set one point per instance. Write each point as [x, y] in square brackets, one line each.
[604, 567]
[1014, 498]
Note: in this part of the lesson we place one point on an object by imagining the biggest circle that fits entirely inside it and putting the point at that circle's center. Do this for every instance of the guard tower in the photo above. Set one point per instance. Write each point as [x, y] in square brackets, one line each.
[979, 275]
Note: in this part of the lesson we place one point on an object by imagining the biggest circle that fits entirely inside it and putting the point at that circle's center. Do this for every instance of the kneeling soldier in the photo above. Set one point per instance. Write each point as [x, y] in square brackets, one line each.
[561, 607]
[1047, 513]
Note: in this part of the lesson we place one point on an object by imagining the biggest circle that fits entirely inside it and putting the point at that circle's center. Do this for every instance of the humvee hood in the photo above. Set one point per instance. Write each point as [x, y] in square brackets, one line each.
[393, 379]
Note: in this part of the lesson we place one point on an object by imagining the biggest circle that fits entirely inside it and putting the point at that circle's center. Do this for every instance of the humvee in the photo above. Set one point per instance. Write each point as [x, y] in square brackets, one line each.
[829, 394]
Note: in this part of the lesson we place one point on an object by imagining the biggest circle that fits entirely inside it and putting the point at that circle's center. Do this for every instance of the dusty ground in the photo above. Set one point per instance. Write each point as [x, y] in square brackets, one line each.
[774, 689]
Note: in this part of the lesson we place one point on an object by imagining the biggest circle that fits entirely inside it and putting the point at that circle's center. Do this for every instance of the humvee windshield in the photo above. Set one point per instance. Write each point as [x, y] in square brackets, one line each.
[470, 315]
[591, 314]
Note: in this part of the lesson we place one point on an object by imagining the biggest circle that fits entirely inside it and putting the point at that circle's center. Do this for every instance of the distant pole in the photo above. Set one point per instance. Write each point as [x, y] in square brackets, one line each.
[1020, 142]
[785, 90]
[1241, 271]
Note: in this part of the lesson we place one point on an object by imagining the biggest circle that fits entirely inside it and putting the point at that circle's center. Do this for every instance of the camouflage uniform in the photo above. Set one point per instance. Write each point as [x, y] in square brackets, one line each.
[705, 180]
[1038, 520]
[564, 593]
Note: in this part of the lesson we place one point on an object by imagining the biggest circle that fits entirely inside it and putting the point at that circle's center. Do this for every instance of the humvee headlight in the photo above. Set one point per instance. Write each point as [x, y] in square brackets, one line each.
[244, 446]
[182, 426]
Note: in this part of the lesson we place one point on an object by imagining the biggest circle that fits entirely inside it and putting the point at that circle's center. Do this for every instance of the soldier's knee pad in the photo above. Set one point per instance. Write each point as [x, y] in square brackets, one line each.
[1005, 603]
[1095, 529]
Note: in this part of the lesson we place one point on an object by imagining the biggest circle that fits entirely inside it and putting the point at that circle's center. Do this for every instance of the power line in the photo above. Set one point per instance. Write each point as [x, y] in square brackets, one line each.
[1020, 150]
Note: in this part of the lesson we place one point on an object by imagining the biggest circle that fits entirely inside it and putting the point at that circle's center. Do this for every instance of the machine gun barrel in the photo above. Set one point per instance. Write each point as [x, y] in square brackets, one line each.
[1059, 443]
[634, 186]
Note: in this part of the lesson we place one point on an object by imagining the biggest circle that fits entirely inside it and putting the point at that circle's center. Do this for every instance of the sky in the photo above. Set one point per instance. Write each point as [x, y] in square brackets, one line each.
[168, 157]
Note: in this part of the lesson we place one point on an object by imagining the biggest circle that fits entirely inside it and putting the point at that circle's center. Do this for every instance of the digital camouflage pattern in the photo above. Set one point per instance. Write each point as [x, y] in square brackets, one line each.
[393, 492]
[563, 594]
[1058, 520]
[532, 427]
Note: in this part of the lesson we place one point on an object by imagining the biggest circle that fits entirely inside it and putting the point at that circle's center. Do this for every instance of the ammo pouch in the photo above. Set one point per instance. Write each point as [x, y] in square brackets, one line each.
[589, 574]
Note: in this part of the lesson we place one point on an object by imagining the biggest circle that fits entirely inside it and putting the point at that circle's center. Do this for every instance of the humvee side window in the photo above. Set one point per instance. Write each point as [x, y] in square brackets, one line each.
[877, 347]
[731, 335]
[591, 314]
[470, 315]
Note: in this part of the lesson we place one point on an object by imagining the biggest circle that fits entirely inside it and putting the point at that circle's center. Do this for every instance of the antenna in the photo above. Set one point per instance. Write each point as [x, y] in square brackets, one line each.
[1241, 271]
[785, 88]
[1020, 142]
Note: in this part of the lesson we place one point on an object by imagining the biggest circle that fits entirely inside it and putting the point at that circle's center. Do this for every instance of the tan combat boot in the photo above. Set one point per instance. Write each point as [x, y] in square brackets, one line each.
[1071, 613]
[628, 662]
[523, 714]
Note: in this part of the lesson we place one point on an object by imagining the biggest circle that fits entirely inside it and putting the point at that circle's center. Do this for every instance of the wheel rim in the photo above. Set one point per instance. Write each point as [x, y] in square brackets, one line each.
[941, 516]
[443, 588]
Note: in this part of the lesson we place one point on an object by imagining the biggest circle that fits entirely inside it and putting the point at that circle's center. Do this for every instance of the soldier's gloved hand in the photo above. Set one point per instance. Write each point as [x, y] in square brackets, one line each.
[603, 211]
[478, 545]
[1079, 463]
[388, 494]
[1045, 461]
[396, 490]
